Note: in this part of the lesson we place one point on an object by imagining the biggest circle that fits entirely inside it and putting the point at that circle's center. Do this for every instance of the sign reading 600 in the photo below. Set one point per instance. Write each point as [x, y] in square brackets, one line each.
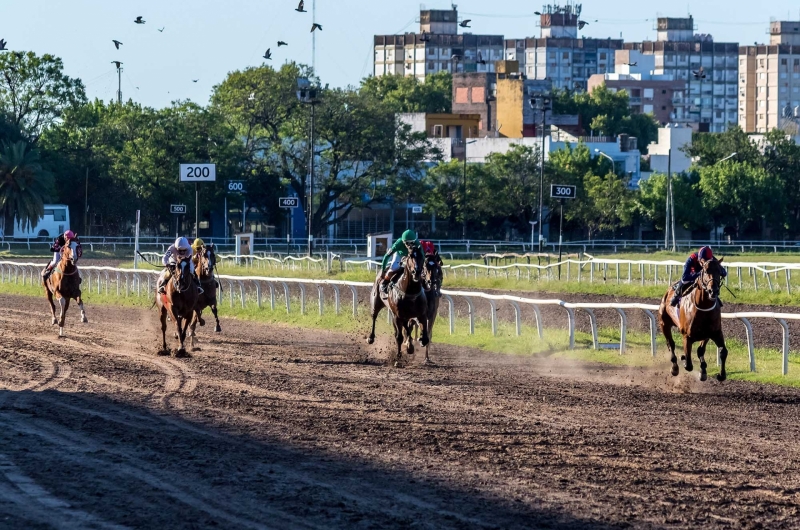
[198, 172]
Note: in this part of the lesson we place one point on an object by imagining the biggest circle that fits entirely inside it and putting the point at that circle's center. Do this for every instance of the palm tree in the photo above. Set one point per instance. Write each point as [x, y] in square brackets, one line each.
[24, 184]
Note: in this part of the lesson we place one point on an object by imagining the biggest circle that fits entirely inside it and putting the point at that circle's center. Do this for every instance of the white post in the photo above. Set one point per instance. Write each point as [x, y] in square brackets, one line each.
[136, 244]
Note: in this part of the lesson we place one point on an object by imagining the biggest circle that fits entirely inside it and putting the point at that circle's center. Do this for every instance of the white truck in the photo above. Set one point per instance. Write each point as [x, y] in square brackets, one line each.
[54, 222]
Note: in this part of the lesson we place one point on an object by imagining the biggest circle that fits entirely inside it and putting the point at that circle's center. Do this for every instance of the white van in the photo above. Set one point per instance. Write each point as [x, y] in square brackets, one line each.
[54, 222]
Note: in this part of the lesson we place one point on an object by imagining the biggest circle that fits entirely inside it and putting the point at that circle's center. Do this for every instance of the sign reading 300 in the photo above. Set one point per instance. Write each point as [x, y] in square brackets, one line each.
[198, 172]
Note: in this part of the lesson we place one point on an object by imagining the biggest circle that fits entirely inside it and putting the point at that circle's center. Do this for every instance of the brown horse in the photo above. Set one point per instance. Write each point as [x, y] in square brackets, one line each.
[65, 283]
[406, 302]
[698, 318]
[432, 283]
[204, 265]
[178, 303]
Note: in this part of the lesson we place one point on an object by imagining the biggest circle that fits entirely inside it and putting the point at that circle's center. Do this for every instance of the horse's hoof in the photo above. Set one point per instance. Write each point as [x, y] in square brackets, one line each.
[688, 367]
[181, 353]
[675, 370]
[163, 353]
[54, 322]
[217, 329]
[703, 376]
[425, 342]
[397, 364]
[721, 377]
[411, 349]
[683, 358]
[201, 322]
[371, 340]
[84, 320]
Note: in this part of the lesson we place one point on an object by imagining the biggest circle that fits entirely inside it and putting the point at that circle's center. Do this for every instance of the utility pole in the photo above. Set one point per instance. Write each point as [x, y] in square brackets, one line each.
[119, 83]
[541, 104]
[311, 186]
[86, 205]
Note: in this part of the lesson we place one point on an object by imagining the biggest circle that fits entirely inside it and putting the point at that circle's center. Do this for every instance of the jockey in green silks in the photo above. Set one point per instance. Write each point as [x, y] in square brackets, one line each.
[393, 259]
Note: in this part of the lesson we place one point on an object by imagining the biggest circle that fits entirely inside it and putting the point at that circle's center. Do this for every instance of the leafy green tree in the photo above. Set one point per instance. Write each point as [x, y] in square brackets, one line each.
[738, 193]
[446, 198]
[652, 198]
[516, 181]
[710, 148]
[35, 92]
[408, 94]
[24, 185]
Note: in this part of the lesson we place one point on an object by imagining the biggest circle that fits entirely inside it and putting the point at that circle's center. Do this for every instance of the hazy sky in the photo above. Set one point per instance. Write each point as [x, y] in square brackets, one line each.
[204, 39]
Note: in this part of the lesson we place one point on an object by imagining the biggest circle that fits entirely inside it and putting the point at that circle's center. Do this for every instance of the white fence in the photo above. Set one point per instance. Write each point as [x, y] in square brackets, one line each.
[129, 282]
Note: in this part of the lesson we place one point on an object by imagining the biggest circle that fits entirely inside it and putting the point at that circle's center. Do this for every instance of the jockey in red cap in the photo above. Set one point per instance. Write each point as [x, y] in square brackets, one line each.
[691, 270]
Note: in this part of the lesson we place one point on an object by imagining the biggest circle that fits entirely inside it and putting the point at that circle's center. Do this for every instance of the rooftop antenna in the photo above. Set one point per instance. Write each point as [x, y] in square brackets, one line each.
[314, 37]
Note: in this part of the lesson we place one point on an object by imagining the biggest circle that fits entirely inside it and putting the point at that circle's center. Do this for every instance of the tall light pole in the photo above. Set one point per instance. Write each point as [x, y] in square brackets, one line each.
[541, 103]
[118, 64]
[308, 95]
[464, 195]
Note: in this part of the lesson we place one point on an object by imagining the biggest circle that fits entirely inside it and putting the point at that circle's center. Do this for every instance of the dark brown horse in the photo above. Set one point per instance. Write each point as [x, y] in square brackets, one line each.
[65, 284]
[432, 283]
[698, 318]
[406, 302]
[205, 260]
[178, 303]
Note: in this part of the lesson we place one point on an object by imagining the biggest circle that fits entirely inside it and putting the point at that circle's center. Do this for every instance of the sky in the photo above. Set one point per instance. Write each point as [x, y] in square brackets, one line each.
[204, 39]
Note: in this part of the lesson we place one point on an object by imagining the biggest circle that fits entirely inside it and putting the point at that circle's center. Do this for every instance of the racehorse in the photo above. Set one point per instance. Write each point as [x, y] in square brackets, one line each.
[406, 302]
[178, 302]
[65, 283]
[432, 283]
[698, 318]
[206, 260]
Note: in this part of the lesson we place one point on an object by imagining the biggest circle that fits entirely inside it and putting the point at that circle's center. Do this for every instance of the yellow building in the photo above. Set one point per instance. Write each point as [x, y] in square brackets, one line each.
[452, 125]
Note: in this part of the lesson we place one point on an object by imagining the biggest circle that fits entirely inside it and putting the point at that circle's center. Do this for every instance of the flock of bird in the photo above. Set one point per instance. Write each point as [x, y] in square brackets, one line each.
[301, 8]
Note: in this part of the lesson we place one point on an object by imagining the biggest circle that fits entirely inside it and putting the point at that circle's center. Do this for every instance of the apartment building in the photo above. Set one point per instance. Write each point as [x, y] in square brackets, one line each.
[769, 81]
[559, 54]
[649, 93]
[438, 47]
[710, 69]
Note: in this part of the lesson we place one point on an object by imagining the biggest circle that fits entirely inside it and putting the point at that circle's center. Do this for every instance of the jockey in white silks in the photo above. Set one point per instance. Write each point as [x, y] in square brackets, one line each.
[178, 251]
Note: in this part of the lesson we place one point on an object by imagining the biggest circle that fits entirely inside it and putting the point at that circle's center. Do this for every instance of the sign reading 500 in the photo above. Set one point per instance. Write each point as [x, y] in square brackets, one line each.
[198, 172]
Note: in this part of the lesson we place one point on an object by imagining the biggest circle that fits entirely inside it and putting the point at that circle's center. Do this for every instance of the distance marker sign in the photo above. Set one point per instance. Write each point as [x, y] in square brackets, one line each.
[562, 191]
[289, 202]
[198, 172]
[179, 209]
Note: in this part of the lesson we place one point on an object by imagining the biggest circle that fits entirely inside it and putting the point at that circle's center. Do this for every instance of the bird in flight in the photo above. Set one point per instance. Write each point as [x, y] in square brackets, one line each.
[3, 45]
[582, 24]
[117, 43]
[281, 43]
[299, 7]
[316, 27]
[140, 20]
[632, 64]
[161, 30]
[268, 55]
[699, 74]
[465, 23]
[117, 63]
[195, 80]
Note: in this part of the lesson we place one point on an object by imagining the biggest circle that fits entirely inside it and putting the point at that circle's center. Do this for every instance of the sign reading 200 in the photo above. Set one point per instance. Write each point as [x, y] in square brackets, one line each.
[198, 172]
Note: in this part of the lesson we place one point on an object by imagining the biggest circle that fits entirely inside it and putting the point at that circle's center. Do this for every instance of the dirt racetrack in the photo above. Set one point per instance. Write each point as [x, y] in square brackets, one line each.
[273, 427]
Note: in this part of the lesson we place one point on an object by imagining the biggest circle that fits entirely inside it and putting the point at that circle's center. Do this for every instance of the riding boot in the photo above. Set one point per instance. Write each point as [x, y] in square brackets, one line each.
[676, 298]
[46, 273]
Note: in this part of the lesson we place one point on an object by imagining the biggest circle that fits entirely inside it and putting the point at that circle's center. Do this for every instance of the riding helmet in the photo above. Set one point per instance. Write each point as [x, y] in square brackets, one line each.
[182, 243]
[409, 236]
[69, 234]
[198, 244]
[705, 254]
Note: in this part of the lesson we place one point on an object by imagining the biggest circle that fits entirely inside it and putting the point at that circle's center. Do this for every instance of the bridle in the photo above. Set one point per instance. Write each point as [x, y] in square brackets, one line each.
[413, 268]
[70, 260]
[180, 275]
[712, 291]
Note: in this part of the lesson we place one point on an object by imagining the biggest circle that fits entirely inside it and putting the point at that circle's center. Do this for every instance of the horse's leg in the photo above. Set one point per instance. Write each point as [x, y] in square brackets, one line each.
[375, 311]
[701, 354]
[179, 334]
[218, 328]
[83, 310]
[398, 337]
[687, 354]
[52, 305]
[409, 327]
[426, 337]
[719, 340]
[164, 349]
[666, 329]
[193, 327]
[64, 303]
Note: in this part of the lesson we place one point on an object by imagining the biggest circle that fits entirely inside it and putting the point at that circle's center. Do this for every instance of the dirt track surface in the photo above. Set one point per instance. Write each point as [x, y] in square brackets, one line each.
[271, 427]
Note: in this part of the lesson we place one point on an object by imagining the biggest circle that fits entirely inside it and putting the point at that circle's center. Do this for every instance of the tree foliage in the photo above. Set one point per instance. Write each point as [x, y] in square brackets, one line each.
[24, 184]
[409, 94]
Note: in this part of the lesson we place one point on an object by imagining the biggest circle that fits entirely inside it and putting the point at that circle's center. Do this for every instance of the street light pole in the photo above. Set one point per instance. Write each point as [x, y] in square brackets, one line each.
[542, 104]
[311, 187]
[464, 205]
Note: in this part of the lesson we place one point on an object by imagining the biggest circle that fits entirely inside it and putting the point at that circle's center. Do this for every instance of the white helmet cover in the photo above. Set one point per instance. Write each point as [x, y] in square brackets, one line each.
[182, 244]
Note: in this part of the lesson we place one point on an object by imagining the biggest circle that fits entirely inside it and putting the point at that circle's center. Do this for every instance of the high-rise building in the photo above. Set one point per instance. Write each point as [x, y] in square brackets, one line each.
[559, 55]
[710, 69]
[769, 81]
[438, 47]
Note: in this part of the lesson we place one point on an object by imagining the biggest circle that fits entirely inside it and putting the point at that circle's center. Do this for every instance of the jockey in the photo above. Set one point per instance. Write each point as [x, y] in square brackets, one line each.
[691, 270]
[197, 248]
[432, 259]
[401, 248]
[178, 251]
[58, 244]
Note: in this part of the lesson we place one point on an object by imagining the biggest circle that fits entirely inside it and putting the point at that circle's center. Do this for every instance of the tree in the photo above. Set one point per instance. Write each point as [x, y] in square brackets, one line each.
[652, 198]
[24, 185]
[409, 94]
[710, 148]
[446, 198]
[737, 193]
[516, 180]
[34, 92]
[607, 113]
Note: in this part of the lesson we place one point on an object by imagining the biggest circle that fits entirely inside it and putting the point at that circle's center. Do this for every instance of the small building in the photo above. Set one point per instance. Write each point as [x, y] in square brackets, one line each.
[668, 153]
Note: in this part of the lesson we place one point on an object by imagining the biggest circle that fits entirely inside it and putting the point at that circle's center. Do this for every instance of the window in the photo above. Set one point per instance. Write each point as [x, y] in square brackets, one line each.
[762, 76]
[664, 91]
[436, 131]
[603, 56]
[565, 55]
[761, 104]
[761, 63]
[784, 62]
[647, 109]
[431, 65]
[663, 107]
[648, 93]
[462, 95]
[60, 215]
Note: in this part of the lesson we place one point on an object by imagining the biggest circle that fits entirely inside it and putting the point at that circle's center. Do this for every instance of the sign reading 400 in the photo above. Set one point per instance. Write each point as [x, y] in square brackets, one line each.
[198, 172]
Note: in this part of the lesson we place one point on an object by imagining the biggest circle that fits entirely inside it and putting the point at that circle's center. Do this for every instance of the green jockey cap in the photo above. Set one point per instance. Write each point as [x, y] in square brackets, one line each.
[409, 236]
